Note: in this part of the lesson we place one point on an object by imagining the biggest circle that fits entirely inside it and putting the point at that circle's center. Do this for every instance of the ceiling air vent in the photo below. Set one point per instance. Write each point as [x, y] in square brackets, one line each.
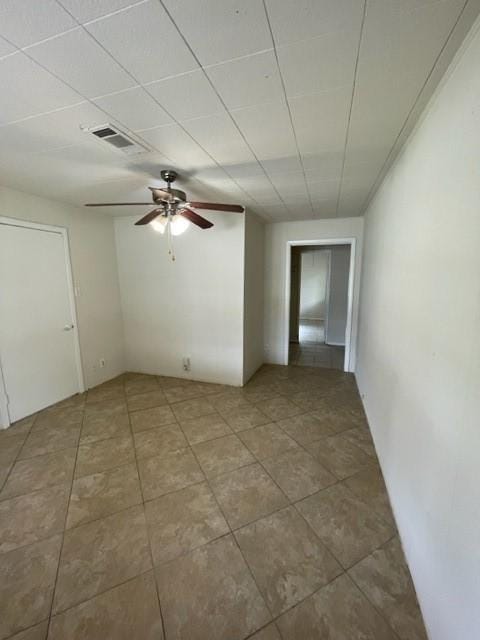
[118, 139]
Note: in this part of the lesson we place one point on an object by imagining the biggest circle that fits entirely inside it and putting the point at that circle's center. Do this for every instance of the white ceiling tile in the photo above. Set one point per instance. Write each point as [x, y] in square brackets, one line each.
[60, 173]
[135, 109]
[324, 189]
[31, 89]
[50, 131]
[268, 129]
[323, 165]
[247, 81]
[300, 210]
[289, 181]
[334, 55]
[85, 10]
[353, 195]
[219, 30]
[324, 209]
[301, 19]
[6, 48]
[187, 96]
[72, 57]
[286, 164]
[320, 120]
[271, 212]
[260, 188]
[220, 138]
[174, 143]
[153, 48]
[363, 172]
[245, 170]
[24, 22]
[410, 36]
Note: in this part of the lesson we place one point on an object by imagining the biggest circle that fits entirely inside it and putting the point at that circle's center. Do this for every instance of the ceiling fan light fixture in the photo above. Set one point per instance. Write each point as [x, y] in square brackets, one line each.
[178, 225]
[159, 224]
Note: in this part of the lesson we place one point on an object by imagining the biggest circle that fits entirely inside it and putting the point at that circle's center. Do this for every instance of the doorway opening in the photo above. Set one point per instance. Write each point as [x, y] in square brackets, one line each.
[319, 291]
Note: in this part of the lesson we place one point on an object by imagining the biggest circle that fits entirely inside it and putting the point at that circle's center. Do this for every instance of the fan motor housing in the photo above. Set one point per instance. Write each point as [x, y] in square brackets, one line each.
[177, 196]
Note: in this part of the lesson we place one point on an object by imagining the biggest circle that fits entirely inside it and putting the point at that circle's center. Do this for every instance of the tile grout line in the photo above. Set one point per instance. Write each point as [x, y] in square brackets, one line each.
[50, 616]
[162, 617]
[231, 531]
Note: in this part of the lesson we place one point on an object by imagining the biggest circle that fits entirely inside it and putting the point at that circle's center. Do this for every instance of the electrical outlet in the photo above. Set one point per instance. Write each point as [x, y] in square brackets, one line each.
[186, 364]
[101, 362]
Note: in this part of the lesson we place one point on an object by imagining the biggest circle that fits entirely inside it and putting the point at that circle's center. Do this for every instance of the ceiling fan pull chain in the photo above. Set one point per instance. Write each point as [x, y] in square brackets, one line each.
[169, 237]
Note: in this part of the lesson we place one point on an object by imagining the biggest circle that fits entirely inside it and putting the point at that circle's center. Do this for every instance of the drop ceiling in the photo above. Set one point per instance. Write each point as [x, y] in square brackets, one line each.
[293, 108]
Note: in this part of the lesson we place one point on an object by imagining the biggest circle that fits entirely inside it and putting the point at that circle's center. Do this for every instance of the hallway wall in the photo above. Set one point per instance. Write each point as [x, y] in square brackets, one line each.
[313, 283]
[253, 295]
[338, 295]
[419, 348]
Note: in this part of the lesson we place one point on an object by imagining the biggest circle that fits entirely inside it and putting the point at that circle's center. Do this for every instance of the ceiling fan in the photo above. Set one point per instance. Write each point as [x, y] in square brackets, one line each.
[173, 209]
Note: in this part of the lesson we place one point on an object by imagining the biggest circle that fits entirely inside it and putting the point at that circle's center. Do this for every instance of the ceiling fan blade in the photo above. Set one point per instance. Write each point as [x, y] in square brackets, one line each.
[160, 193]
[150, 216]
[217, 207]
[195, 218]
[117, 204]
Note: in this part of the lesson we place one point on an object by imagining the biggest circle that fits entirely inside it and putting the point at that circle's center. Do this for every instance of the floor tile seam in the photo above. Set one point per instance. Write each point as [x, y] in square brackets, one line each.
[48, 486]
[104, 517]
[372, 604]
[36, 428]
[300, 602]
[263, 628]
[302, 446]
[48, 453]
[162, 618]
[90, 444]
[97, 594]
[57, 532]
[162, 564]
[231, 533]
[332, 553]
[372, 508]
[63, 537]
[106, 469]
[27, 629]
[177, 422]
[23, 495]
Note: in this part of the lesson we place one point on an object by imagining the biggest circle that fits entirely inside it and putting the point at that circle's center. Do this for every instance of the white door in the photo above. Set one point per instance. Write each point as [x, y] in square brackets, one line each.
[37, 335]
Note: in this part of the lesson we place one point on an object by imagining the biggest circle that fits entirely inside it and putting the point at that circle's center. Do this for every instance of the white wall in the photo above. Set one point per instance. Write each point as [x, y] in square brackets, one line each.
[419, 348]
[313, 284]
[338, 295]
[94, 267]
[253, 295]
[191, 307]
[277, 235]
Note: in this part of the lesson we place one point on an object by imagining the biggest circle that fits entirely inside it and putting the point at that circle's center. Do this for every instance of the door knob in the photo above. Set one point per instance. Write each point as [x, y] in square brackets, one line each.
[68, 327]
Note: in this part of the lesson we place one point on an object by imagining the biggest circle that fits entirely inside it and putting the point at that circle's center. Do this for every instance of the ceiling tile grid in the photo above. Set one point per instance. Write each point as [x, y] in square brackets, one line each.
[290, 106]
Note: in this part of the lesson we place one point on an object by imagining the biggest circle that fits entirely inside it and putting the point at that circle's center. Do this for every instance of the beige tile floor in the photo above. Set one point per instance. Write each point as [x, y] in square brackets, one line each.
[155, 508]
[312, 351]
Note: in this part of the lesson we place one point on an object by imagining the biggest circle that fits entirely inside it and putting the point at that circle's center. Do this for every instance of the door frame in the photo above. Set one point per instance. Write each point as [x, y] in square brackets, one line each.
[347, 363]
[15, 222]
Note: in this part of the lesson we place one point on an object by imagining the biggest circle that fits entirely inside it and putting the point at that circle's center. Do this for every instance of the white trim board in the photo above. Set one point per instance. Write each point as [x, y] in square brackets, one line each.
[15, 222]
[347, 365]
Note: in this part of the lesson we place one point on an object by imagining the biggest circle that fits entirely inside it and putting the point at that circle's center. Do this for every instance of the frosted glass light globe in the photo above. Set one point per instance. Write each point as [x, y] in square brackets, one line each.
[159, 224]
[178, 225]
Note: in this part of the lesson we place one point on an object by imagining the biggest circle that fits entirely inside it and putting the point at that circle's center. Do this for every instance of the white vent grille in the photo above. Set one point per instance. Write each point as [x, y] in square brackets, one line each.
[118, 139]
